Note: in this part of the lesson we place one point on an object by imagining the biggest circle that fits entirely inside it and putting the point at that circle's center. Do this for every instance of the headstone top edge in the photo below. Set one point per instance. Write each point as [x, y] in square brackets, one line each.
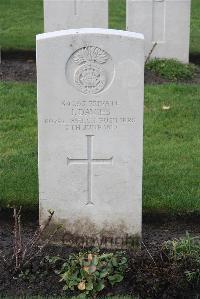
[102, 31]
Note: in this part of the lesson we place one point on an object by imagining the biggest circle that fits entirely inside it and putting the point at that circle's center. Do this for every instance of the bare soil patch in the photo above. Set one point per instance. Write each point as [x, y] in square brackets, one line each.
[150, 274]
[18, 70]
[24, 70]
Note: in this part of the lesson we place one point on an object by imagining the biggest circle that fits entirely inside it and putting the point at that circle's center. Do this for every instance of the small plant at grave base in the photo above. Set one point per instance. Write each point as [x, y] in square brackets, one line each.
[185, 251]
[91, 272]
[171, 69]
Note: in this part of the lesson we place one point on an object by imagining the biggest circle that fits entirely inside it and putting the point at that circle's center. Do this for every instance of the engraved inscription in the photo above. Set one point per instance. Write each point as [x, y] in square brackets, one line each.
[91, 69]
[89, 161]
[95, 115]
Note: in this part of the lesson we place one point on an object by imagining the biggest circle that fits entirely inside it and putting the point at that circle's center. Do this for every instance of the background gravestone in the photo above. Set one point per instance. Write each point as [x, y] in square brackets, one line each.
[165, 22]
[90, 113]
[69, 14]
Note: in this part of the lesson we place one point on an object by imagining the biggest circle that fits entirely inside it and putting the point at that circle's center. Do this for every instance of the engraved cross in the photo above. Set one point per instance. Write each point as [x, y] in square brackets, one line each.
[90, 162]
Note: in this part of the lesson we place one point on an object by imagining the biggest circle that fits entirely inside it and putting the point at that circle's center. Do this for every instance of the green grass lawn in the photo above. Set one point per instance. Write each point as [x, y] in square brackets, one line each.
[195, 28]
[171, 147]
[18, 146]
[21, 20]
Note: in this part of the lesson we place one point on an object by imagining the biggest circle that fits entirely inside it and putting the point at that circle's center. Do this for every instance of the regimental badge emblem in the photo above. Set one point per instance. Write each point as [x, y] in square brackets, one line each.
[90, 75]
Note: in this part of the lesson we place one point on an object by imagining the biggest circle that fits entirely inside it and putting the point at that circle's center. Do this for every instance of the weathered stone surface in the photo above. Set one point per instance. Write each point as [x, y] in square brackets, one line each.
[165, 22]
[90, 117]
[70, 14]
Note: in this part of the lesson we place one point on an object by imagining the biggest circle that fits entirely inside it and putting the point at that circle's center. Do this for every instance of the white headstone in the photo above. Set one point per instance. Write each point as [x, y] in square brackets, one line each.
[165, 22]
[71, 14]
[90, 119]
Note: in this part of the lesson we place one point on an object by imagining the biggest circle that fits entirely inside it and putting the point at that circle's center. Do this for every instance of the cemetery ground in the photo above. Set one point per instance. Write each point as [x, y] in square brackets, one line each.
[171, 201]
[171, 198]
[31, 16]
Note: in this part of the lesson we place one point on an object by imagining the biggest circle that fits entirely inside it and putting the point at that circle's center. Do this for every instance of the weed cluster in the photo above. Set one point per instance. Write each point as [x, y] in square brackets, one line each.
[185, 251]
[171, 69]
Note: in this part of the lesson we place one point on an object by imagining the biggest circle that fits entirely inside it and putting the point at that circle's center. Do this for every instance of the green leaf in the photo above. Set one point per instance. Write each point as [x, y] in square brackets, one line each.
[82, 272]
[74, 276]
[65, 288]
[114, 261]
[97, 274]
[89, 286]
[71, 284]
[106, 256]
[86, 264]
[115, 278]
[100, 286]
[123, 260]
[53, 259]
[82, 296]
[95, 260]
[103, 274]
